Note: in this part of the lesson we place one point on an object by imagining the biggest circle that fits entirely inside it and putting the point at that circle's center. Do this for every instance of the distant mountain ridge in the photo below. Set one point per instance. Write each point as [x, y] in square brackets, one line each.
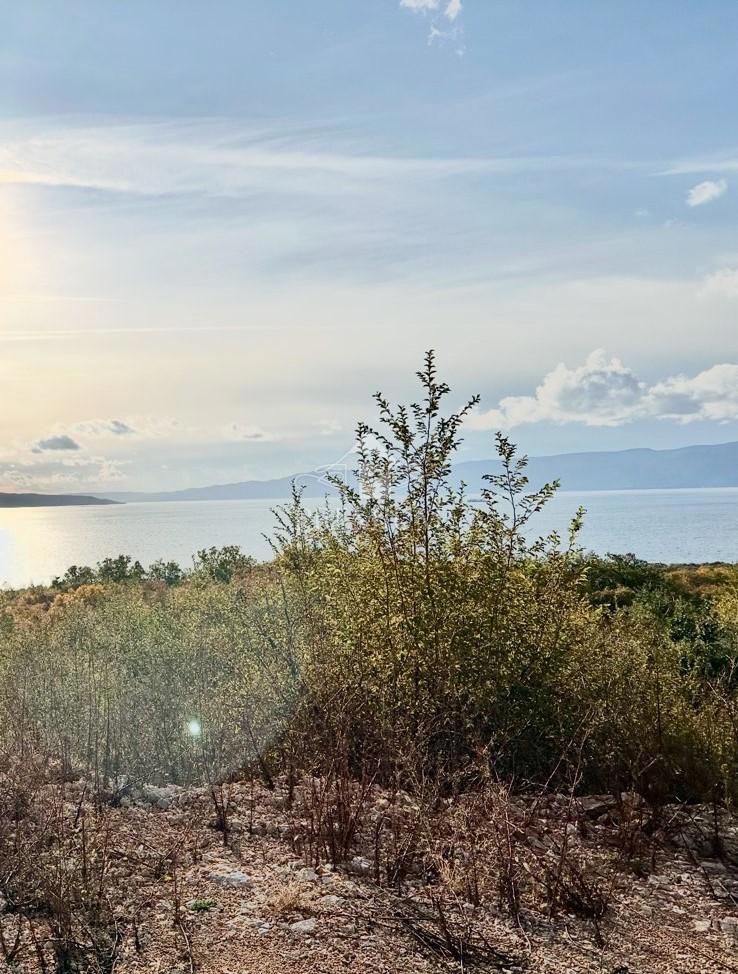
[51, 500]
[714, 465]
[314, 484]
[639, 469]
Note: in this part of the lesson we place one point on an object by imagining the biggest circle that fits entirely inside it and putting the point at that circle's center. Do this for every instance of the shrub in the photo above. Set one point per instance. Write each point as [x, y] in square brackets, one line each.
[406, 634]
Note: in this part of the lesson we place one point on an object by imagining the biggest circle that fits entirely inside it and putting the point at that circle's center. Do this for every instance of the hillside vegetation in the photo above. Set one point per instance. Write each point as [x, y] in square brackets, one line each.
[406, 639]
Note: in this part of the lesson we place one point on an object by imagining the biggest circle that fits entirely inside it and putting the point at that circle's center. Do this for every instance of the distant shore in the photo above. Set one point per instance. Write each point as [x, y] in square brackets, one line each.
[52, 500]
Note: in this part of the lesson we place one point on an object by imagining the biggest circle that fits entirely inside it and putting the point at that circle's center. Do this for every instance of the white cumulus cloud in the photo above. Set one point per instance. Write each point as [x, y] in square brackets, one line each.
[605, 392]
[711, 394]
[706, 192]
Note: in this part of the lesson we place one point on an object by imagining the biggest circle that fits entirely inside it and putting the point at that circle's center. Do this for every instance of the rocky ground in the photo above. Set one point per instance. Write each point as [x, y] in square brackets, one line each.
[596, 884]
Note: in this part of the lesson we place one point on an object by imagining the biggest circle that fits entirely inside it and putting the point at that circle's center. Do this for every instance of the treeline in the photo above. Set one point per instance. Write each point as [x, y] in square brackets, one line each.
[406, 634]
[217, 564]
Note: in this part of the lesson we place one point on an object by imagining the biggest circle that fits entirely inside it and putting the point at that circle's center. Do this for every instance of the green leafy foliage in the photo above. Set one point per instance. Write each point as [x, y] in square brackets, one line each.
[406, 633]
[202, 906]
[222, 564]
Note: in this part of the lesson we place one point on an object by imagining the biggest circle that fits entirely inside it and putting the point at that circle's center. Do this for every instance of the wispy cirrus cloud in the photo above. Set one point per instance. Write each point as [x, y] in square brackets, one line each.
[711, 164]
[706, 192]
[219, 159]
[604, 392]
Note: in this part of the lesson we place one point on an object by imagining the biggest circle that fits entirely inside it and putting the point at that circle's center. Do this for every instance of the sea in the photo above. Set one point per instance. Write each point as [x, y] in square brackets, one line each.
[38, 543]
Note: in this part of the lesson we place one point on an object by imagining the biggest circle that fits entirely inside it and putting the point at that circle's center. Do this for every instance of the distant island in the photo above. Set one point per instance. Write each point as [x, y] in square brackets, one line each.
[641, 469]
[51, 500]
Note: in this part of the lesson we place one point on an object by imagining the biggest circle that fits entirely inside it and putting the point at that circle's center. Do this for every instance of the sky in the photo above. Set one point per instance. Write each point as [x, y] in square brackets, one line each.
[224, 226]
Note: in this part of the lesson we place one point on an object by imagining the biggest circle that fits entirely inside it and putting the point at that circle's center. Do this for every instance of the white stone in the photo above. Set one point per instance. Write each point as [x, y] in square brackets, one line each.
[308, 876]
[231, 880]
[330, 900]
[360, 866]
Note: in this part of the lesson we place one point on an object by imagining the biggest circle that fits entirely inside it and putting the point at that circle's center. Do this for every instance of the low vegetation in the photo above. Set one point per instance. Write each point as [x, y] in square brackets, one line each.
[409, 638]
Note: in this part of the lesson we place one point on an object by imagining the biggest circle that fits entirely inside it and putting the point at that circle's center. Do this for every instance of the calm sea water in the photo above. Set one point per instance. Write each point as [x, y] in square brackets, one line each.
[658, 525]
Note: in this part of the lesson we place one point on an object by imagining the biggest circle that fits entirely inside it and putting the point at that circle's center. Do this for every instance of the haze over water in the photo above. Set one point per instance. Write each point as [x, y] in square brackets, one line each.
[38, 543]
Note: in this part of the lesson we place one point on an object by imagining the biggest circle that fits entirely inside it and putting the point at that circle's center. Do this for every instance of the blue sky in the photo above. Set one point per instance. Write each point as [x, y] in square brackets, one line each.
[223, 226]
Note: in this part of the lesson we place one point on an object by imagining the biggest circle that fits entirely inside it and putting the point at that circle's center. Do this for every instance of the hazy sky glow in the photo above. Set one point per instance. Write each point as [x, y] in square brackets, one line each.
[223, 226]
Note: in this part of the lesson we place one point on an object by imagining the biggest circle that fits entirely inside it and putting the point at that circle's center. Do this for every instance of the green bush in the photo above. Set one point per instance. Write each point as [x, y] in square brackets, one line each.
[406, 632]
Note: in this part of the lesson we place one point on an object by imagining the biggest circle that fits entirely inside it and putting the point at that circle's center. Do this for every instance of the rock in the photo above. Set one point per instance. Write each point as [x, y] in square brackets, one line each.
[360, 866]
[687, 841]
[157, 797]
[308, 876]
[713, 867]
[729, 925]
[304, 927]
[232, 880]
[702, 926]
[631, 799]
[330, 900]
[595, 805]
[609, 818]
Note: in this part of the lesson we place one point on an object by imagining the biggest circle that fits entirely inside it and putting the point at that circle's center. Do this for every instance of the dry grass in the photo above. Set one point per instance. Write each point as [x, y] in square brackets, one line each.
[581, 903]
[290, 898]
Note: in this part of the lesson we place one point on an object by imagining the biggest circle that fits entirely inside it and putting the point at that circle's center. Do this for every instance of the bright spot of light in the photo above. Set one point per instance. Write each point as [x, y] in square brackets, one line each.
[194, 727]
